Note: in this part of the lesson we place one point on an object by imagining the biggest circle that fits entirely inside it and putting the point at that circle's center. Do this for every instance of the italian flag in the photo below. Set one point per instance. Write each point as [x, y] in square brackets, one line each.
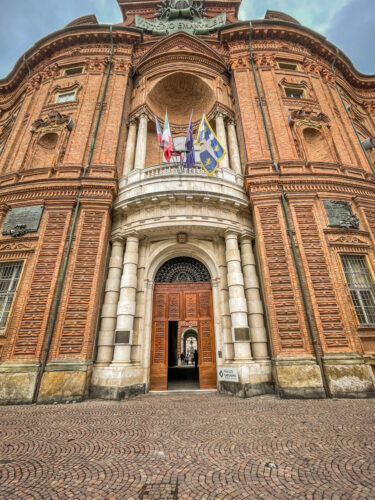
[167, 139]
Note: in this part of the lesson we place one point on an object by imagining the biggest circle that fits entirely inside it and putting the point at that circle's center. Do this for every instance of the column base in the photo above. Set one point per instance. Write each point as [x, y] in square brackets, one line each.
[254, 379]
[118, 381]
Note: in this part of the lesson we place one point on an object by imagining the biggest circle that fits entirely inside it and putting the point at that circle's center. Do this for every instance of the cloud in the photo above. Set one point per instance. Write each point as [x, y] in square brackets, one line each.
[316, 14]
[353, 31]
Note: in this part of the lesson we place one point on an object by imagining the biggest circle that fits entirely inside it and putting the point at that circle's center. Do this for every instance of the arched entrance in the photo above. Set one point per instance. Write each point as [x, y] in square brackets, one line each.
[182, 302]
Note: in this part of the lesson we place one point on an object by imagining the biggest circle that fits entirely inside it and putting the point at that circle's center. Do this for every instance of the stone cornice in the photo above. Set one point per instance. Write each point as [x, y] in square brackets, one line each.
[69, 36]
[317, 44]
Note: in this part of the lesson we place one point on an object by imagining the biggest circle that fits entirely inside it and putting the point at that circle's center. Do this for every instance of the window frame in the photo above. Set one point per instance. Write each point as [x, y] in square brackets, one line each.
[300, 92]
[74, 92]
[81, 67]
[294, 65]
[357, 291]
[15, 293]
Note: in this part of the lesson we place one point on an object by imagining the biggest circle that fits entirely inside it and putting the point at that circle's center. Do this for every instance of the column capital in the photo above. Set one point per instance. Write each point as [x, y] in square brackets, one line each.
[247, 236]
[231, 121]
[131, 234]
[132, 121]
[119, 240]
[232, 233]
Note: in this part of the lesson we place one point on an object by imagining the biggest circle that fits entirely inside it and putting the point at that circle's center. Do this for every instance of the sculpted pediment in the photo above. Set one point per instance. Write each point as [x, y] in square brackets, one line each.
[178, 43]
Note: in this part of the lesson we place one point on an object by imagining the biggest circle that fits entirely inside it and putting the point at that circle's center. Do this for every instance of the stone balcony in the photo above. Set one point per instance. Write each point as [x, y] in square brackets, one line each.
[166, 195]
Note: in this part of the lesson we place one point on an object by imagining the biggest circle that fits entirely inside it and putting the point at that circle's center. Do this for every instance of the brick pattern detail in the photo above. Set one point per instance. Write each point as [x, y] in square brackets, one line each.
[370, 216]
[281, 287]
[34, 321]
[81, 288]
[331, 326]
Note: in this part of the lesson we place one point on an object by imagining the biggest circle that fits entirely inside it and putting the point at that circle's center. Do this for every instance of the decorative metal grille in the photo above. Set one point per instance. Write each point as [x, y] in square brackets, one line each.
[9, 275]
[361, 286]
[182, 269]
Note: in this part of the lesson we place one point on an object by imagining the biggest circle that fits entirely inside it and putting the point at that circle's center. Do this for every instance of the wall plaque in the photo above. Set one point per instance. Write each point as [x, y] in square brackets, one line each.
[242, 334]
[227, 374]
[340, 214]
[22, 220]
[122, 337]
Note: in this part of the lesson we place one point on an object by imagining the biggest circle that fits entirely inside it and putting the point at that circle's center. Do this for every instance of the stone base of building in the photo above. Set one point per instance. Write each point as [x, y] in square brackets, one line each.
[117, 393]
[347, 375]
[62, 381]
[254, 379]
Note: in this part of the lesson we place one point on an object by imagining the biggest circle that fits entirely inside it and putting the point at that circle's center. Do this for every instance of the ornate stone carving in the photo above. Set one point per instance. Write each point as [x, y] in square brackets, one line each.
[53, 122]
[180, 15]
[307, 116]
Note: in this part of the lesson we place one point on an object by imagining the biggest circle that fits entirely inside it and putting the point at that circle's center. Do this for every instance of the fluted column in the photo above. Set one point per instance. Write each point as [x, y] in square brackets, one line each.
[140, 152]
[222, 137]
[126, 303]
[258, 334]
[234, 153]
[237, 301]
[130, 147]
[109, 309]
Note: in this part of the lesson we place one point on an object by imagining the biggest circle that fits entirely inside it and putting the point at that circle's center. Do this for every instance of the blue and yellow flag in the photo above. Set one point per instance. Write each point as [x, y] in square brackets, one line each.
[211, 152]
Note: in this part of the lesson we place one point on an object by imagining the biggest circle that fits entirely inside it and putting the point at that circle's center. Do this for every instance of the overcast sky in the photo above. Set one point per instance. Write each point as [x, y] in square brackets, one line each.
[350, 24]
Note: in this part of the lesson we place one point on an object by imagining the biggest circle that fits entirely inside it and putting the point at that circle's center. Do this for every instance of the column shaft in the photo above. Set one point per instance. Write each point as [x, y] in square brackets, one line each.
[234, 153]
[109, 309]
[222, 136]
[237, 301]
[140, 152]
[126, 304]
[130, 148]
[258, 334]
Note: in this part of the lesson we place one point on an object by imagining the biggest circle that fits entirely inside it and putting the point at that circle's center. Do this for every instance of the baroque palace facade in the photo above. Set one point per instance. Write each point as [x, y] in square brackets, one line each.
[112, 260]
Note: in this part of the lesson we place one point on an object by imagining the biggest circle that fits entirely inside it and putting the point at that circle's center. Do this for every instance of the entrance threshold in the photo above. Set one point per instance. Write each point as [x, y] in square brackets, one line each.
[183, 390]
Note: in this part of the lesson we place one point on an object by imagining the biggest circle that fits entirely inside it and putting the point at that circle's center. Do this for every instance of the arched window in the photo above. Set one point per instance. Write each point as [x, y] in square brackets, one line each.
[182, 269]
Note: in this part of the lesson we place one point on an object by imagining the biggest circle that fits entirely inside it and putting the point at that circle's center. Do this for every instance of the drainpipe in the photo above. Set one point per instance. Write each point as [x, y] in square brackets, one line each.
[53, 318]
[348, 113]
[285, 207]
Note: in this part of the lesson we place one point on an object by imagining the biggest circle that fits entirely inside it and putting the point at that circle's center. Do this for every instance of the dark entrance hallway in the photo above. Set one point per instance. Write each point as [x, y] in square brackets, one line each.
[181, 375]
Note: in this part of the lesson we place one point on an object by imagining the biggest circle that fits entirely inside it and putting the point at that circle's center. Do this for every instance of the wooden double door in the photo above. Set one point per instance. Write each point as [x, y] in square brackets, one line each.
[189, 304]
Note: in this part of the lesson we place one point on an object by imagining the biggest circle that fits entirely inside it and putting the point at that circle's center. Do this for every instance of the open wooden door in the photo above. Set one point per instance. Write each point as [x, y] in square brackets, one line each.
[190, 304]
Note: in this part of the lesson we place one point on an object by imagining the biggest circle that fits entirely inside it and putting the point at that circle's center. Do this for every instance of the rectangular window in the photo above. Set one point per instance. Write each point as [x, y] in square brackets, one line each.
[68, 97]
[73, 71]
[10, 273]
[296, 93]
[287, 65]
[361, 285]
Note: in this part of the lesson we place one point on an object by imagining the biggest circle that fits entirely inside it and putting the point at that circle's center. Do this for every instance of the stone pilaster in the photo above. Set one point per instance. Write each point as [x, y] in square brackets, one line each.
[140, 152]
[109, 309]
[222, 137]
[237, 301]
[126, 303]
[258, 334]
[130, 147]
[234, 153]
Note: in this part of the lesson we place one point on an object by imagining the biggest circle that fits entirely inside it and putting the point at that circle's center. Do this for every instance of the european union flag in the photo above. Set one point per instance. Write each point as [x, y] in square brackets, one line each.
[211, 152]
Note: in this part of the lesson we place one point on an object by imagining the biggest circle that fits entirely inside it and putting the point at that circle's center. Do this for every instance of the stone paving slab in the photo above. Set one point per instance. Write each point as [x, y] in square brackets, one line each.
[189, 446]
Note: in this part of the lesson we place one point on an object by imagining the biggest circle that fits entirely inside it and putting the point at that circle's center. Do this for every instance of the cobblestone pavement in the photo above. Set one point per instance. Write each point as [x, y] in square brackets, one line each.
[189, 446]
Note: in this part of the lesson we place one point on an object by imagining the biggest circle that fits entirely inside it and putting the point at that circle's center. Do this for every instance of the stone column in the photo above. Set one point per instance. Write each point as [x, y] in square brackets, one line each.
[237, 301]
[222, 137]
[258, 334]
[234, 153]
[130, 148]
[140, 152]
[109, 309]
[126, 303]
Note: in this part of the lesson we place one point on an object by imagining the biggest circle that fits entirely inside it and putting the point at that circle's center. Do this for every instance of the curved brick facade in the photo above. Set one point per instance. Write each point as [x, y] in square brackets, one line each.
[77, 126]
